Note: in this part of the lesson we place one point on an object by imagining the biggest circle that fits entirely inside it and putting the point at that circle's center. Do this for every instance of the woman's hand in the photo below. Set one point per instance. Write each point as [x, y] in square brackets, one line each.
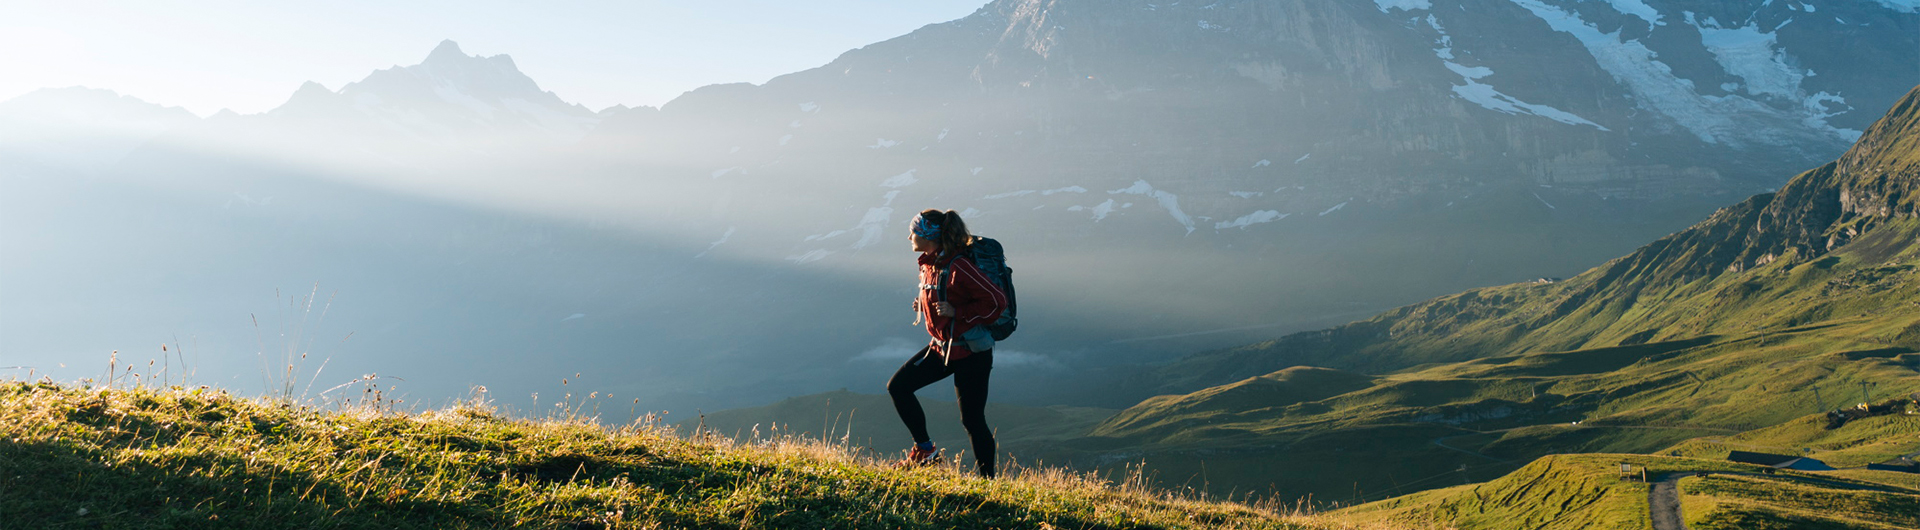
[943, 309]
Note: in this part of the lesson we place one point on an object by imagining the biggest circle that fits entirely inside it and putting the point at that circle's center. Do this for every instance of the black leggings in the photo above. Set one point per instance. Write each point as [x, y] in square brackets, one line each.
[969, 382]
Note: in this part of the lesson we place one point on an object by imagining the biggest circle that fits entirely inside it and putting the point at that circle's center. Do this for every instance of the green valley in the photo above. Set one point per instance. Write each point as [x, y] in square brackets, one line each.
[1737, 334]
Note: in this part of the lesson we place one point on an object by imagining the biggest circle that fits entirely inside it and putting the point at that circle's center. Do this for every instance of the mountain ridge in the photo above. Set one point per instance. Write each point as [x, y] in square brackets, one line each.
[1820, 211]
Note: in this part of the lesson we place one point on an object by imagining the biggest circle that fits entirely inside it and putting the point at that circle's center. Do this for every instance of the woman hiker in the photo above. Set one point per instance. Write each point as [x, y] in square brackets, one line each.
[956, 301]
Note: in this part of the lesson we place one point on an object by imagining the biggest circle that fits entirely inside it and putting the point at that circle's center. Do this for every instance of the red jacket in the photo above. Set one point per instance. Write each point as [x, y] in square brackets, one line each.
[976, 301]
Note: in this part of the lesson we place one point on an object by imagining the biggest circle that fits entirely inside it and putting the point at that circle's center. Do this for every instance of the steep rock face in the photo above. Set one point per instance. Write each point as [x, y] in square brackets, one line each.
[1486, 140]
[1378, 99]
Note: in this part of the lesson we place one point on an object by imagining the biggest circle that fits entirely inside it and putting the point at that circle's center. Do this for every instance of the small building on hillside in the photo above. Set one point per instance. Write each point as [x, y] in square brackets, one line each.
[1799, 463]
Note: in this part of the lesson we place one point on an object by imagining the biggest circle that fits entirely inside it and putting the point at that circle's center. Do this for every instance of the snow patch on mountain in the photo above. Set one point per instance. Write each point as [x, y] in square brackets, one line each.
[1749, 53]
[1903, 6]
[1335, 208]
[809, 256]
[1100, 211]
[1068, 189]
[1403, 5]
[450, 96]
[1246, 194]
[716, 243]
[828, 235]
[900, 181]
[1485, 95]
[1167, 200]
[1732, 120]
[1638, 8]
[1263, 163]
[881, 143]
[874, 224]
[1257, 217]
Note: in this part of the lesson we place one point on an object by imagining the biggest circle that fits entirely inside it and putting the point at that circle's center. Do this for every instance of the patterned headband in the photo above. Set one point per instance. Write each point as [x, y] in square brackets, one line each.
[925, 229]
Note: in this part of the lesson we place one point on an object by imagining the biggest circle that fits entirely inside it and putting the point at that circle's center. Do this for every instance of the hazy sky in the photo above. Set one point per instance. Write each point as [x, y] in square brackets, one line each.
[249, 56]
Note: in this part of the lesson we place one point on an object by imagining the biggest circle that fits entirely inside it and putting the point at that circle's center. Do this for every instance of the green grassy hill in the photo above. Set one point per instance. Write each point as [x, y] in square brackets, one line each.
[1858, 443]
[147, 458]
[1788, 304]
[1772, 310]
[1833, 243]
[1589, 491]
[1415, 429]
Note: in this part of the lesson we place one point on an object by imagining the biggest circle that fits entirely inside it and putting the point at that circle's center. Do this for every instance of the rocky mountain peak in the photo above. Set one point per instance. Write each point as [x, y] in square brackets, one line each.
[447, 51]
[1815, 213]
[448, 98]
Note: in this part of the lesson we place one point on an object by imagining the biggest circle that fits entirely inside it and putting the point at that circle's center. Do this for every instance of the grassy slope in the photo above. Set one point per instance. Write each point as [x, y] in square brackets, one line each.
[1381, 439]
[1772, 309]
[1858, 443]
[1588, 491]
[1739, 272]
[869, 421]
[147, 458]
[1788, 502]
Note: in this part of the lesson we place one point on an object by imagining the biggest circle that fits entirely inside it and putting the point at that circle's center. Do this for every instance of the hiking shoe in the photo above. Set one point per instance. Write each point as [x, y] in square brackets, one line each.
[918, 457]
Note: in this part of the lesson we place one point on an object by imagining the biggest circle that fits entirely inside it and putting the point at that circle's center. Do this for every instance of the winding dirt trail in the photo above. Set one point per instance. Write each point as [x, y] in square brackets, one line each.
[1663, 503]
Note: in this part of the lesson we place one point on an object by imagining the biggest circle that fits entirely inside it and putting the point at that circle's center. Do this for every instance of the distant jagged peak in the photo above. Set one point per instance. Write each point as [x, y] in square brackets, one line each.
[449, 62]
[95, 107]
[87, 96]
[453, 91]
[310, 90]
[448, 50]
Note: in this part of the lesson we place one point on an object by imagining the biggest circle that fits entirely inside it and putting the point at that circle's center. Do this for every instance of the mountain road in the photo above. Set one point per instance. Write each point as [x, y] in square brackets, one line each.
[1663, 502]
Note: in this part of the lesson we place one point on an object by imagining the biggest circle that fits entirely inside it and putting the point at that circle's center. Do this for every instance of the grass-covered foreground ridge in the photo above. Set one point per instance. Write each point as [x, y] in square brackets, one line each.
[170, 458]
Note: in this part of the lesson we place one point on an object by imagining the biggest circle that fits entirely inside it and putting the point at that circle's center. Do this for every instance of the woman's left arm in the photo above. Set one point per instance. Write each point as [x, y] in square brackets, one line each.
[976, 300]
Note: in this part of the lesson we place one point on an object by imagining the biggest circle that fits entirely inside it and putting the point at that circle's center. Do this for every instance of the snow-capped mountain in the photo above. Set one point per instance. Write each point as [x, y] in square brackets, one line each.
[1623, 98]
[449, 97]
[1484, 140]
[1167, 176]
[450, 110]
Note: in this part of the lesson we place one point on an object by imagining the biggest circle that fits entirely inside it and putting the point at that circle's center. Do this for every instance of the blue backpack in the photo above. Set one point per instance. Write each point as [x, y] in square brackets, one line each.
[991, 259]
